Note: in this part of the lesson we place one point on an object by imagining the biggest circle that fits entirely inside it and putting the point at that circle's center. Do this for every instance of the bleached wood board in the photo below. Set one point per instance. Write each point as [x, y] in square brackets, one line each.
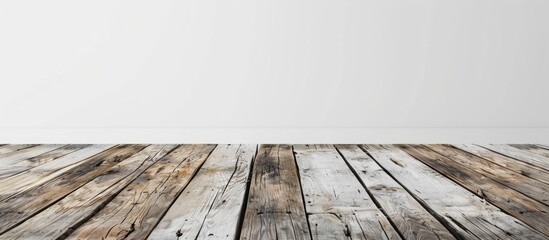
[518, 154]
[211, 205]
[47, 190]
[410, 218]
[532, 148]
[534, 189]
[275, 206]
[8, 148]
[458, 209]
[531, 171]
[28, 163]
[12, 158]
[135, 211]
[46, 172]
[515, 203]
[337, 205]
[81, 204]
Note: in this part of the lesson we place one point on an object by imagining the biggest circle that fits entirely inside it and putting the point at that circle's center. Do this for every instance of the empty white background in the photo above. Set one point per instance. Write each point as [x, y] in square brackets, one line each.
[153, 68]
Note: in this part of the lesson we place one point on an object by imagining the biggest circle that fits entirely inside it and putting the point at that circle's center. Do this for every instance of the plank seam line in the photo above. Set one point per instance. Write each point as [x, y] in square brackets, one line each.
[441, 219]
[54, 202]
[244, 207]
[374, 200]
[180, 192]
[301, 191]
[500, 153]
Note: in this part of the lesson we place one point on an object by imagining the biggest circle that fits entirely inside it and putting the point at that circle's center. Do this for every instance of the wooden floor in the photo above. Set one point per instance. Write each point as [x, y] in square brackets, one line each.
[274, 191]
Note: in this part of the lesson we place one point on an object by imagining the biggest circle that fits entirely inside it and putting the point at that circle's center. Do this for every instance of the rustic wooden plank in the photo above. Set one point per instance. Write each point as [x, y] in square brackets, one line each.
[46, 190]
[518, 154]
[211, 205]
[27, 163]
[46, 172]
[134, 212]
[409, 217]
[523, 168]
[532, 148]
[275, 206]
[59, 219]
[24, 154]
[534, 189]
[462, 212]
[8, 148]
[531, 212]
[337, 204]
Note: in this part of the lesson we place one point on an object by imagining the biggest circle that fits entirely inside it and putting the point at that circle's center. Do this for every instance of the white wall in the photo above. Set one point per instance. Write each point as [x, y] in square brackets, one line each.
[216, 65]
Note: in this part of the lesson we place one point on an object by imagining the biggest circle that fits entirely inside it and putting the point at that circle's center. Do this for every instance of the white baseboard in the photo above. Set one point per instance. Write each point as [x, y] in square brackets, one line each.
[275, 135]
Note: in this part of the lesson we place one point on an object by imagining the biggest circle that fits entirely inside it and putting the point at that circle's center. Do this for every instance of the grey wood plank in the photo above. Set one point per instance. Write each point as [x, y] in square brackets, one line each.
[531, 171]
[515, 203]
[410, 218]
[457, 208]
[29, 162]
[211, 205]
[534, 189]
[12, 158]
[135, 211]
[41, 174]
[53, 182]
[8, 148]
[60, 218]
[337, 204]
[532, 148]
[525, 156]
[275, 206]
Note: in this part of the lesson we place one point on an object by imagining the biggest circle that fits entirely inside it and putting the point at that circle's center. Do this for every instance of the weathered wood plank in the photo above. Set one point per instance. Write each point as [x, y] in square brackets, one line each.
[532, 148]
[8, 148]
[24, 154]
[211, 205]
[518, 154]
[46, 172]
[523, 168]
[47, 189]
[458, 209]
[275, 205]
[57, 220]
[515, 203]
[410, 218]
[27, 163]
[134, 212]
[337, 205]
[534, 189]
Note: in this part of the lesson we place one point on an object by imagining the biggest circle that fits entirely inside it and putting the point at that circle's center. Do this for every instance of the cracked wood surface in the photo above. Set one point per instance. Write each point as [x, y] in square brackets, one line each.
[210, 204]
[275, 206]
[134, 212]
[270, 191]
[337, 205]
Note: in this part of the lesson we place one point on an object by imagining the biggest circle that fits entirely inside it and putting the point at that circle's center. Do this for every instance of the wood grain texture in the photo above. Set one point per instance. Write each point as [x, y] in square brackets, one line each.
[212, 203]
[275, 206]
[410, 218]
[534, 189]
[531, 171]
[82, 204]
[9, 169]
[12, 159]
[337, 204]
[7, 148]
[41, 174]
[134, 212]
[515, 203]
[532, 148]
[54, 183]
[459, 210]
[525, 156]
